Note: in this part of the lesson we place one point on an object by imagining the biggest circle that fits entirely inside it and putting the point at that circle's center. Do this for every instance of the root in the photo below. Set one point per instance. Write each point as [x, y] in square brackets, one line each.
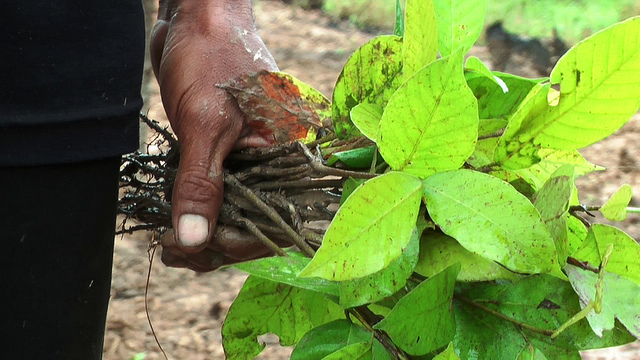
[273, 192]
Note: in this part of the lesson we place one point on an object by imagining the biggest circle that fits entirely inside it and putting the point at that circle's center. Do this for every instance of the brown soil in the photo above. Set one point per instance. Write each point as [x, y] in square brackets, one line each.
[187, 309]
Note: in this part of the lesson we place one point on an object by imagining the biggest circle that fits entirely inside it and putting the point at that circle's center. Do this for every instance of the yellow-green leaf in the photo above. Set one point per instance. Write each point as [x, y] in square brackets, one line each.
[370, 230]
[431, 122]
[615, 209]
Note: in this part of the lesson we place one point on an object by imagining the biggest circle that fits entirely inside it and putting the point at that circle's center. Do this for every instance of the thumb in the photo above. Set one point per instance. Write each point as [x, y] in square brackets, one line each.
[197, 194]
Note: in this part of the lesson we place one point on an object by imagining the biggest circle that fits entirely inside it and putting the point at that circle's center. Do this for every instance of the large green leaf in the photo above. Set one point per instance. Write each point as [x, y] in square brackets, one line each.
[492, 219]
[439, 251]
[383, 283]
[285, 270]
[422, 321]
[420, 40]
[599, 82]
[552, 201]
[599, 88]
[625, 257]
[263, 307]
[540, 301]
[615, 209]
[330, 338]
[370, 230]
[459, 23]
[372, 74]
[431, 123]
[620, 299]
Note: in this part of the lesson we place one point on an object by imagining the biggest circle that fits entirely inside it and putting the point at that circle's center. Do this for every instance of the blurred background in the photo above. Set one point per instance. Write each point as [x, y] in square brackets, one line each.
[312, 39]
[574, 19]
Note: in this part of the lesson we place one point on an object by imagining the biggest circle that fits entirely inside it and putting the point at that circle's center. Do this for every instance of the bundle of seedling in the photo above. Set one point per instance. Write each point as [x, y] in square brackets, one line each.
[281, 194]
[455, 229]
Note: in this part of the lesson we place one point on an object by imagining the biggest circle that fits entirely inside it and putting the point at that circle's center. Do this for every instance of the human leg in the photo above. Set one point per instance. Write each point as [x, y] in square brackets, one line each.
[56, 252]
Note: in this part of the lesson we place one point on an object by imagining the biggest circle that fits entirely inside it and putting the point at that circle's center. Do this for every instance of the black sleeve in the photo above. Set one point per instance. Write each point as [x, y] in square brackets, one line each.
[69, 80]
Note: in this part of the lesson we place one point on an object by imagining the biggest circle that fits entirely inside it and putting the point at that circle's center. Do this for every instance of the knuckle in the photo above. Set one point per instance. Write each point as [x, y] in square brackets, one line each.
[197, 184]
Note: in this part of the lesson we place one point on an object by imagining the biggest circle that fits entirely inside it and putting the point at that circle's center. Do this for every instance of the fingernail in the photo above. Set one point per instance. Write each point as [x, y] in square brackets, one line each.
[193, 230]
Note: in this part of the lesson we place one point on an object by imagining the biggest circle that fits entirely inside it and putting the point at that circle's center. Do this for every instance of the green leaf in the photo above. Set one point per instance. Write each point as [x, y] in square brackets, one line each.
[420, 40]
[329, 338]
[460, 23]
[448, 354]
[599, 92]
[493, 101]
[599, 88]
[514, 151]
[439, 251]
[348, 187]
[398, 29]
[285, 270]
[480, 335]
[625, 258]
[372, 74]
[422, 321]
[577, 234]
[366, 117]
[550, 161]
[383, 283]
[356, 158]
[615, 209]
[263, 307]
[431, 123]
[483, 154]
[476, 65]
[370, 230]
[620, 299]
[552, 201]
[357, 351]
[540, 301]
[492, 219]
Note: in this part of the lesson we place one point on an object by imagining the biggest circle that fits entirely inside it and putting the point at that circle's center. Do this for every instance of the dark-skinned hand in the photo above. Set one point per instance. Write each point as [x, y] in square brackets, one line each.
[195, 45]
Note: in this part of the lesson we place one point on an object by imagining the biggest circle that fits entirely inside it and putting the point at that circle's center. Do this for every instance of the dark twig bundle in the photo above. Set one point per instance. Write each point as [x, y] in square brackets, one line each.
[281, 193]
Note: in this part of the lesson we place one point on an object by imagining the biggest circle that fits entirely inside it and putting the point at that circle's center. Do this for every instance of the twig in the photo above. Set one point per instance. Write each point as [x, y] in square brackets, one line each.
[267, 171]
[253, 229]
[492, 135]
[317, 165]
[270, 213]
[298, 184]
[380, 336]
[159, 129]
[584, 208]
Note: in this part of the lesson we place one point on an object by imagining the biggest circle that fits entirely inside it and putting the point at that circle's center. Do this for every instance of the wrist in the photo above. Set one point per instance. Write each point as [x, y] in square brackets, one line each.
[201, 8]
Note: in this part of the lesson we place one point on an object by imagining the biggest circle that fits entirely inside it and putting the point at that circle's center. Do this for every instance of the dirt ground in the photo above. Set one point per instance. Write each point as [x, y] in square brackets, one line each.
[187, 309]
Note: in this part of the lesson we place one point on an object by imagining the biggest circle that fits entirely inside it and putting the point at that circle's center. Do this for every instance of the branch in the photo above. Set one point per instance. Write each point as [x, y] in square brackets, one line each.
[270, 213]
[317, 165]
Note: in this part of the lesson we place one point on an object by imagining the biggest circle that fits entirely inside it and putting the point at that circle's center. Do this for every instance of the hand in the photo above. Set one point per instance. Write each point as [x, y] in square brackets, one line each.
[201, 44]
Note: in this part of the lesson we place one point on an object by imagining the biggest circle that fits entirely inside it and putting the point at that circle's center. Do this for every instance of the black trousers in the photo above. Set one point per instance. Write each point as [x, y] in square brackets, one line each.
[56, 252]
